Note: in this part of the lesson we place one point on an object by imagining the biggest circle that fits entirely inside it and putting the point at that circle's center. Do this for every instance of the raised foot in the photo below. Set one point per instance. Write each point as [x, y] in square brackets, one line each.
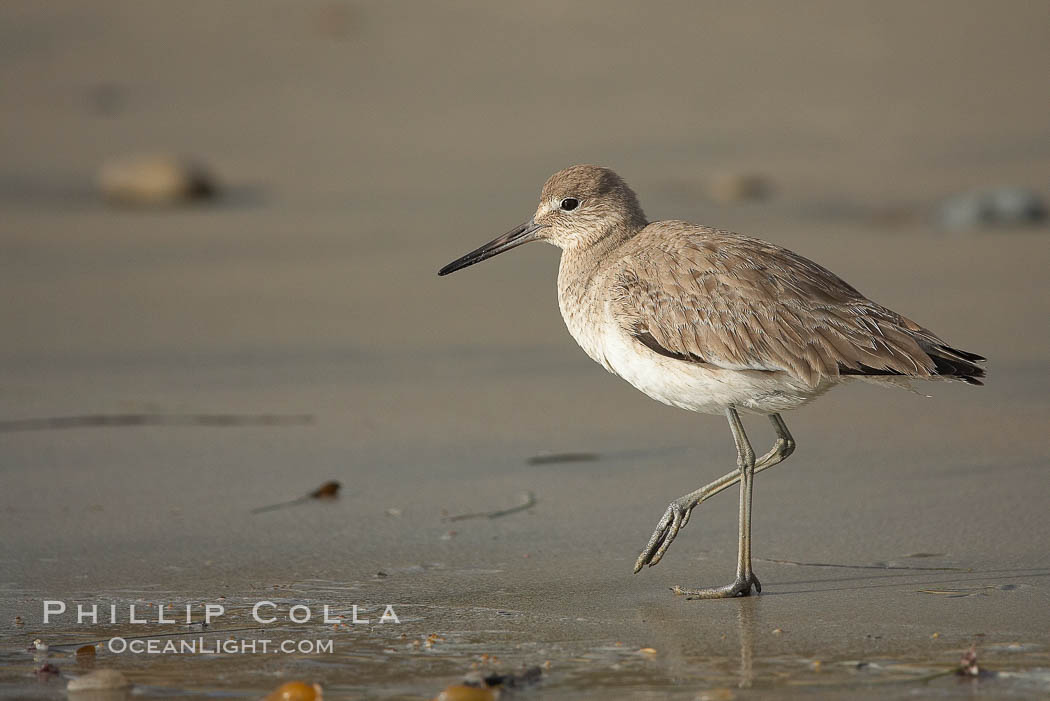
[741, 587]
[673, 520]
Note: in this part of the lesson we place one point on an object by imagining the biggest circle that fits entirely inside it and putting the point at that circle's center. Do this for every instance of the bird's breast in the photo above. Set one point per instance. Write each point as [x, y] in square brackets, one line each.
[584, 317]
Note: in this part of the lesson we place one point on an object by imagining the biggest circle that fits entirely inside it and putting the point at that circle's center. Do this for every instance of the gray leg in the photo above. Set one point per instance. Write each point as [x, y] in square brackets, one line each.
[679, 511]
[745, 578]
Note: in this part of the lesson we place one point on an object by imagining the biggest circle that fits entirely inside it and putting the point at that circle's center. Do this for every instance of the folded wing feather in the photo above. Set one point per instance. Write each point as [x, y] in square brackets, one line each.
[743, 304]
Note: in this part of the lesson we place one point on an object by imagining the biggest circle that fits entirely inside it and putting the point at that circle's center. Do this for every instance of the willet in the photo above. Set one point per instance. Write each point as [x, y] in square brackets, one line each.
[717, 323]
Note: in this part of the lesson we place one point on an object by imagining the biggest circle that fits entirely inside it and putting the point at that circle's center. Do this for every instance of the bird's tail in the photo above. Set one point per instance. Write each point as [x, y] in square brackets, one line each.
[956, 364]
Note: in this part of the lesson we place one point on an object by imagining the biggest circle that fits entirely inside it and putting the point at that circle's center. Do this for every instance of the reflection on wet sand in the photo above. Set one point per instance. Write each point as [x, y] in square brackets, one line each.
[746, 633]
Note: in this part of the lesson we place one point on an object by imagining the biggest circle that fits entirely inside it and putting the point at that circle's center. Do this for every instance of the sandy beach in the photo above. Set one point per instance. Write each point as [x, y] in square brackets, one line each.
[361, 146]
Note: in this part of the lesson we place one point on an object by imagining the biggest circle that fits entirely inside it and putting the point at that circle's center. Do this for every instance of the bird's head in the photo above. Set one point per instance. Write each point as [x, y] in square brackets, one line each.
[579, 206]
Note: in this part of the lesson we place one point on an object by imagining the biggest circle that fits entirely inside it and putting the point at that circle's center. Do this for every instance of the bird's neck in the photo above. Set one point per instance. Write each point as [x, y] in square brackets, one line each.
[601, 243]
[579, 264]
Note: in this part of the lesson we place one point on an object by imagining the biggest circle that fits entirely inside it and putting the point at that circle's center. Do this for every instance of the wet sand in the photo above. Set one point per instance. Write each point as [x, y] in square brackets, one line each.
[365, 146]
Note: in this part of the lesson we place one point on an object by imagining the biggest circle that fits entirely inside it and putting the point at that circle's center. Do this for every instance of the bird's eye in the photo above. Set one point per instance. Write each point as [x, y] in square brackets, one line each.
[570, 203]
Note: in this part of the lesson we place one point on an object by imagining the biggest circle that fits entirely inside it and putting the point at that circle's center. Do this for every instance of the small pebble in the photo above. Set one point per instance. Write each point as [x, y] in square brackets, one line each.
[46, 671]
[968, 663]
[296, 691]
[160, 180]
[328, 490]
[462, 692]
[99, 680]
[722, 694]
[1002, 207]
[737, 187]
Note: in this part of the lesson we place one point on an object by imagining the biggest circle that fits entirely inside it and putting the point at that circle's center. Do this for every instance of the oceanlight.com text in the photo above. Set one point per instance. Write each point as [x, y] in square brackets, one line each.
[202, 646]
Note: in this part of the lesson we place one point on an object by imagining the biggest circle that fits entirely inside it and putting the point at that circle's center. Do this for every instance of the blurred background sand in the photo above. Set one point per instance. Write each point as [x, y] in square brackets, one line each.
[359, 147]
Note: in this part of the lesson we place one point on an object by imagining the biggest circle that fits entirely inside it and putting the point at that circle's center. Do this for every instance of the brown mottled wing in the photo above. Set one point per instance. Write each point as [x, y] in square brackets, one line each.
[739, 303]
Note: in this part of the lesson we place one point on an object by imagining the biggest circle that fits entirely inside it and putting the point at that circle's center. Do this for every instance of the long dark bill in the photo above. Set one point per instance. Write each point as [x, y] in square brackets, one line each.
[512, 239]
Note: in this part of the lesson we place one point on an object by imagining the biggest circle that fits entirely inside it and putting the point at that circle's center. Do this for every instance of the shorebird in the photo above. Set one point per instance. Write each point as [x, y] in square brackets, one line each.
[717, 323]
